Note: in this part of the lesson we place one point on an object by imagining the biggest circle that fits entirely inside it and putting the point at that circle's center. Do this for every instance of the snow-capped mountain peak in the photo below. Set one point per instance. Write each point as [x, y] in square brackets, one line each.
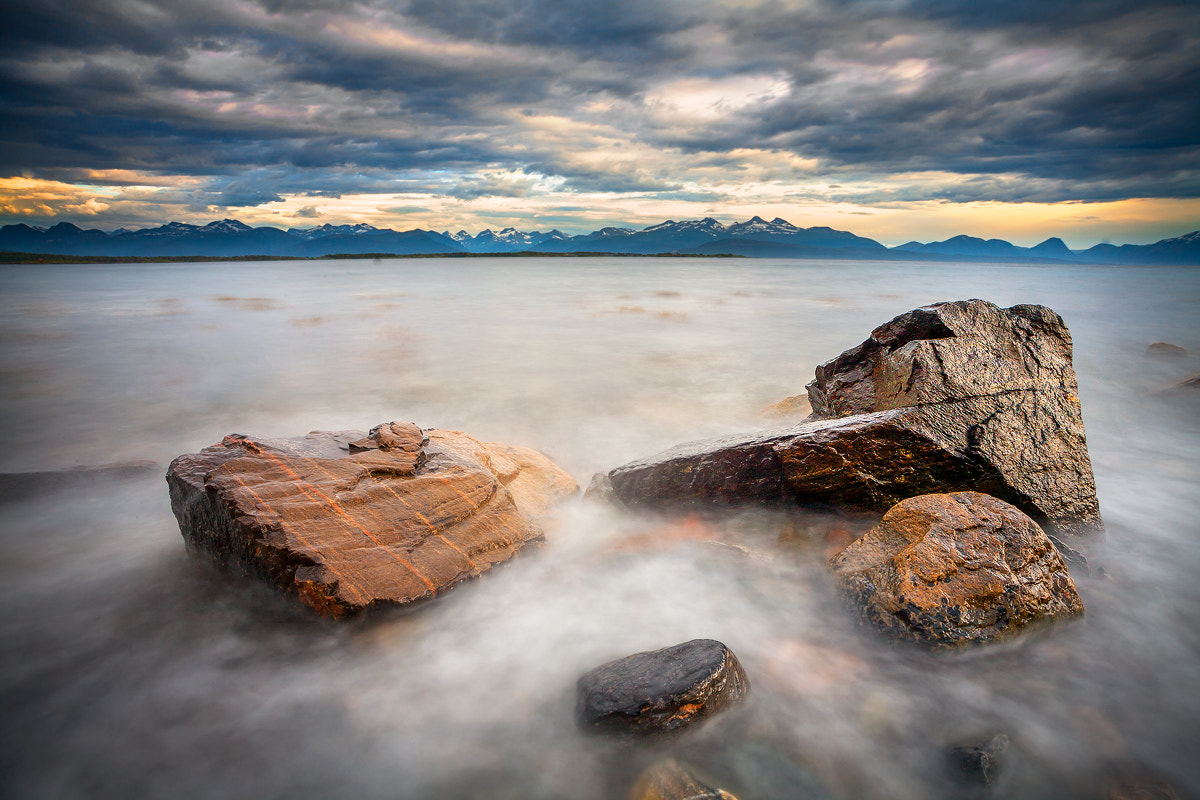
[758, 225]
[707, 225]
[227, 226]
[321, 231]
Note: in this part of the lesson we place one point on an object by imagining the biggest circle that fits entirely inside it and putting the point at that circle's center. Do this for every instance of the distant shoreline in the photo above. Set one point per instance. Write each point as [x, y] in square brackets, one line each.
[48, 258]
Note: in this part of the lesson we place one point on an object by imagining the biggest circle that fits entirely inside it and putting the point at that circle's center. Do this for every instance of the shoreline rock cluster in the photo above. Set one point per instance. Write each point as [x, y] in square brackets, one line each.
[959, 422]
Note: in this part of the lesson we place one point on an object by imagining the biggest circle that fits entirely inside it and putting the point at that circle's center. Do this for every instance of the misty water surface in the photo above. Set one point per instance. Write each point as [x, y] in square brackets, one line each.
[129, 670]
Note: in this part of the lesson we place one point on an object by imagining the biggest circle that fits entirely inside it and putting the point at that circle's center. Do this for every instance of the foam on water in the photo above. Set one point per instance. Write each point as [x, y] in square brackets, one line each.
[130, 670]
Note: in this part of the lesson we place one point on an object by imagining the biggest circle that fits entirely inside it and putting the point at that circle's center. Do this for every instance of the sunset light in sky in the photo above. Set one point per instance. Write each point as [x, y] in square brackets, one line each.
[896, 120]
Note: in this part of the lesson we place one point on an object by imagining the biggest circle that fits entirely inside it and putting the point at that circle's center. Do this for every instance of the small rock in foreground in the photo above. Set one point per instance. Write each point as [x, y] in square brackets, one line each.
[661, 690]
[952, 569]
[349, 521]
[670, 780]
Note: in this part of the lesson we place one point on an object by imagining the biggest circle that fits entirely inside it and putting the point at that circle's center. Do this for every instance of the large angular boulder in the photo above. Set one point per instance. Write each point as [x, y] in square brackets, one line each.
[660, 691]
[349, 520]
[952, 396]
[951, 569]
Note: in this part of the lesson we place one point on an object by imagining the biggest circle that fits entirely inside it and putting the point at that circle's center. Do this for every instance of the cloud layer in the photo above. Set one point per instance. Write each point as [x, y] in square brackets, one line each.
[208, 105]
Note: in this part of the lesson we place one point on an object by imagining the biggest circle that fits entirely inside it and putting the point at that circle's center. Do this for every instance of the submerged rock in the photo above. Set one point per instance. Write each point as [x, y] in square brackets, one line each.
[793, 408]
[670, 780]
[1166, 349]
[20, 485]
[978, 764]
[1184, 388]
[349, 521]
[953, 396]
[954, 569]
[1138, 786]
[662, 690]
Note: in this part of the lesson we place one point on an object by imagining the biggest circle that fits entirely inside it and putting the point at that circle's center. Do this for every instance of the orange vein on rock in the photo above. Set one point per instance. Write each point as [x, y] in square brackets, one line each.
[323, 498]
[325, 556]
[432, 528]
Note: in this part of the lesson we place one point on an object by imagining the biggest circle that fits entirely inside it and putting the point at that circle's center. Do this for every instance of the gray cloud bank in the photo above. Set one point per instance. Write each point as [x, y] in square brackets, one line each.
[1016, 101]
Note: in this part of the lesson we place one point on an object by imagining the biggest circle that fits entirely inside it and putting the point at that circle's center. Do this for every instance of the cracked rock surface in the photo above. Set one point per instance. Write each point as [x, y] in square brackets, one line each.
[347, 520]
[953, 396]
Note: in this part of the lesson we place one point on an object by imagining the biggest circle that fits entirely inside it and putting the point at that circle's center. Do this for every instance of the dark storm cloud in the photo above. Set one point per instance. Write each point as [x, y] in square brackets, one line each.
[1024, 100]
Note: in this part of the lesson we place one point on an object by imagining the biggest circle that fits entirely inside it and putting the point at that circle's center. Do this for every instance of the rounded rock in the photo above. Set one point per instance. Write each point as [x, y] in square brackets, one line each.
[951, 569]
[662, 690]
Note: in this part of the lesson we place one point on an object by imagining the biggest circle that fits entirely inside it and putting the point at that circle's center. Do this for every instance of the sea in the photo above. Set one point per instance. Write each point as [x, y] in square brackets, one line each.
[129, 669]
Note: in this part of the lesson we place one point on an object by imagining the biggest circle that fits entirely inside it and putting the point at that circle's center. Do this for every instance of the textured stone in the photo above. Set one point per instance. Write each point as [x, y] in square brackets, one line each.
[662, 690]
[348, 522]
[995, 384]
[670, 780]
[955, 396]
[954, 569]
[870, 461]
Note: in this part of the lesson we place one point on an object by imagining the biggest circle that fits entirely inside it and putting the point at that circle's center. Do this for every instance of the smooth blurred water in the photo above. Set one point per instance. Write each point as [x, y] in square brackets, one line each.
[128, 670]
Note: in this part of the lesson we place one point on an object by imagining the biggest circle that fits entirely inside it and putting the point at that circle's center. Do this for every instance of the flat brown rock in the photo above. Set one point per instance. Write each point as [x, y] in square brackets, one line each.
[951, 569]
[348, 522]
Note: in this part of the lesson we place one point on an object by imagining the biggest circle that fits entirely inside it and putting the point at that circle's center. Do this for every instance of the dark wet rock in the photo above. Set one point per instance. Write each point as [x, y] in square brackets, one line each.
[349, 521]
[1166, 349]
[870, 461]
[670, 780]
[978, 764]
[954, 396]
[19, 485]
[956, 569]
[662, 690]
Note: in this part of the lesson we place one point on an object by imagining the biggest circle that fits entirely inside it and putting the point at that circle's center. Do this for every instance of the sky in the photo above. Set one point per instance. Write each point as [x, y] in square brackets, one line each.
[895, 119]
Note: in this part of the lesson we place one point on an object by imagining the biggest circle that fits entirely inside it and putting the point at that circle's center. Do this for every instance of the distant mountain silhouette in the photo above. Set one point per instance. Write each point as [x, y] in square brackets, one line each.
[755, 237]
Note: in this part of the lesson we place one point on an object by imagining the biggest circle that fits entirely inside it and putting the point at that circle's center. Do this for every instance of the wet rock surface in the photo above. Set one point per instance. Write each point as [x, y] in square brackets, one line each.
[870, 461]
[348, 521]
[953, 396]
[662, 690]
[670, 780]
[955, 569]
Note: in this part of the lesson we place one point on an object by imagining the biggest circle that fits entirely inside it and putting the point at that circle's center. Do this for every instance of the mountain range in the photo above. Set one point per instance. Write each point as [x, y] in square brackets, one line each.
[755, 237]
